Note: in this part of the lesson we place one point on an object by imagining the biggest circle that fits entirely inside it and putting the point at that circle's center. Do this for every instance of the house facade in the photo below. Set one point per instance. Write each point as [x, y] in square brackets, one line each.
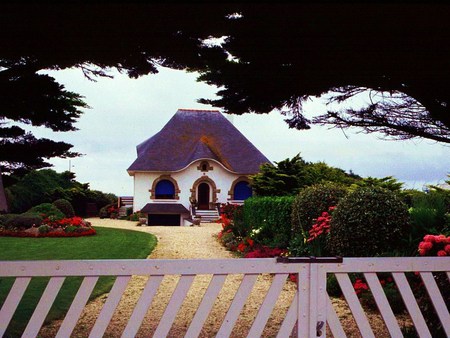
[198, 160]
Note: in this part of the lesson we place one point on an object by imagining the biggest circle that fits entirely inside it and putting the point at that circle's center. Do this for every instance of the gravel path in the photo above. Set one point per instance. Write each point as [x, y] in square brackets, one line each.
[178, 243]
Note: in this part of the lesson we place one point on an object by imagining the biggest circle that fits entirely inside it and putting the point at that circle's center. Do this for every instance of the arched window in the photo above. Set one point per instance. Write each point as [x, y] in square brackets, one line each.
[242, 191]
[164, 190]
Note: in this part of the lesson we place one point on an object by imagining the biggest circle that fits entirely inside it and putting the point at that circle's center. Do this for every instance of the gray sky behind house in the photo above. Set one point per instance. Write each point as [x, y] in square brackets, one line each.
[125, 112]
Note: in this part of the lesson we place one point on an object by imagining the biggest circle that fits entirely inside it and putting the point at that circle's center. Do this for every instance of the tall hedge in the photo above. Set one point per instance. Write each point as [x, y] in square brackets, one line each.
[270, 219]
[368, 222]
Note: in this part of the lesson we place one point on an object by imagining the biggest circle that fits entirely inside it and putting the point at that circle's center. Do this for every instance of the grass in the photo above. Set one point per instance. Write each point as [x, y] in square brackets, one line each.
[107, 244]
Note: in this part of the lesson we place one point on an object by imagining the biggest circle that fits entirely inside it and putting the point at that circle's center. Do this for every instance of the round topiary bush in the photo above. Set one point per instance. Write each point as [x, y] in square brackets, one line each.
[65, 207]
[47, 210]
[311, 202]
[368, 222]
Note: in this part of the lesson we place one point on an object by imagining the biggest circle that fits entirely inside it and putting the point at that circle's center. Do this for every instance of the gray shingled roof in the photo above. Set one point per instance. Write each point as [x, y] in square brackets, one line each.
[196, 134]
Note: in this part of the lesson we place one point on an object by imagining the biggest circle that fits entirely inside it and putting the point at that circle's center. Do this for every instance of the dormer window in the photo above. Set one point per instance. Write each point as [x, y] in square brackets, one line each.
[204, 167]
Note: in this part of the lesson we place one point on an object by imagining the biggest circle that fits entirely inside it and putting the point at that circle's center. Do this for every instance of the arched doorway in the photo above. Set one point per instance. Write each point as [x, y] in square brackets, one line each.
[203, 191]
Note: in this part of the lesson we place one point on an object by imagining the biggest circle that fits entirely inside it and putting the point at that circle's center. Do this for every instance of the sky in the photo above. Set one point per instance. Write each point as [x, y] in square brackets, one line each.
[125, 112]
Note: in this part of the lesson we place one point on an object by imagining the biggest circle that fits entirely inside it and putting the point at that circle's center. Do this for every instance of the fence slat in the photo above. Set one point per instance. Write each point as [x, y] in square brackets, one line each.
[437, 300]
[44, 305]
[214, 287]
[109, 307]
[354, 304]
[142, 306]
[12, 301]
[267, 305]
[236, 305]
[290, 319]
[411, 304]
[304, 288]
[174, 305]
[383, 304]
[78, 304]
[333, 320]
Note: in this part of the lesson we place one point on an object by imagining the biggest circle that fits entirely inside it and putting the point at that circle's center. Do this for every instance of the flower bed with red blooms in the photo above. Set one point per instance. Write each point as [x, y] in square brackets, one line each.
[12, 233]
[52, 227]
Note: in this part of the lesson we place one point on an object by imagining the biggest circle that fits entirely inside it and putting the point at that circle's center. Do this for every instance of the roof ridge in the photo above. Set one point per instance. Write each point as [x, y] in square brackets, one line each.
[199, 110]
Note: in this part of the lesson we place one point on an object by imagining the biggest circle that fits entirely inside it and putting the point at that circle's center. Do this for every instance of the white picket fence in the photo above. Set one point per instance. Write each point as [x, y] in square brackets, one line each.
[309, 314]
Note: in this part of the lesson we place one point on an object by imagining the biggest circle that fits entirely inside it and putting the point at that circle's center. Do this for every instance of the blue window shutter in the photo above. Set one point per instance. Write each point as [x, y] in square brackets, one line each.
[165, 187]
[242, 191]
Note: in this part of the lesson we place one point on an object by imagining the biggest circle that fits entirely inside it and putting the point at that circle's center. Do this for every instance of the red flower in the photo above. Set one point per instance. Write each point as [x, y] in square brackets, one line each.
[447, 248]
[429, 238]
[441, 253]
[241, 247]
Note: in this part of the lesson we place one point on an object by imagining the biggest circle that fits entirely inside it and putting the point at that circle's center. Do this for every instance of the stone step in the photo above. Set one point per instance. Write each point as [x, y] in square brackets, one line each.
[207, 215]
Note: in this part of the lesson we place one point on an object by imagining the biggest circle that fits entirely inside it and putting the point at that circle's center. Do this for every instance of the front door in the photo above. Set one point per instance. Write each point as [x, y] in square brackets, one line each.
[203, 196]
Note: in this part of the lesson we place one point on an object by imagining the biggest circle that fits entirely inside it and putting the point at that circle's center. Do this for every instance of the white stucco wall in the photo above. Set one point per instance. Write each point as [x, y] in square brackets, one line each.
[185, 178]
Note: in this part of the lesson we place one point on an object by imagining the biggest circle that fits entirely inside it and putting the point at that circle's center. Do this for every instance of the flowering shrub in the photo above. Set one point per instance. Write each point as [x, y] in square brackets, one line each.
[64, 222]
[262, 251]
[435, 245]
[317, 234]
[52, 226]
[228, 210]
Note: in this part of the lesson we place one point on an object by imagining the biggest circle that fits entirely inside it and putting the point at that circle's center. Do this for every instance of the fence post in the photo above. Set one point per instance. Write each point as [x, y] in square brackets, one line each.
[303, 305]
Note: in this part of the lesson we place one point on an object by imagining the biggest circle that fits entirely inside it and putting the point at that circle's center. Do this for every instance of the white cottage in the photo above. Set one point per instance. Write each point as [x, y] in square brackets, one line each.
[198, 160]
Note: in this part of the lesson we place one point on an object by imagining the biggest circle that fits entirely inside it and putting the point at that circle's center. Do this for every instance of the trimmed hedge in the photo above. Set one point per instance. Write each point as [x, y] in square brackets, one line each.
[65, 207]
[269, 218]
[368, 222]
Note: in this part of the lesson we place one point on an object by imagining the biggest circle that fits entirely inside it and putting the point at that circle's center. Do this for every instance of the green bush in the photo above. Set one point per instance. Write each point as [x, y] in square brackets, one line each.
[269, 219]
[370, 221]
[4, 218]
[43, 229]
[311, 202]
[240, 228]
[70, 229]
[133, 217]
[65, 207]
[47, 210]
[24, 221]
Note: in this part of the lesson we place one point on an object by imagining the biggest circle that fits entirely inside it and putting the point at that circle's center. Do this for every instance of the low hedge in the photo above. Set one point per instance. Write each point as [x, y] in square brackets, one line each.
[269, 219]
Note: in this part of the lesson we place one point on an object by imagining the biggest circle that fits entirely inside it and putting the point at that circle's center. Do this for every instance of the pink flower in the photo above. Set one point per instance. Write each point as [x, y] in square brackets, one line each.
[429, 238]
[425, 245]
[441, 253]
[440, 239]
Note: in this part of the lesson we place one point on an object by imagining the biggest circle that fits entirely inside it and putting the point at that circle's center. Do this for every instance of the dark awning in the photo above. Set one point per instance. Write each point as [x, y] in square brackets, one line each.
[164, 208]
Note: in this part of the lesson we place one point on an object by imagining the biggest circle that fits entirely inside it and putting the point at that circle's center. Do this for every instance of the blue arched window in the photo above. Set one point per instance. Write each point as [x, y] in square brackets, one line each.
[242, 191]
[165, 190]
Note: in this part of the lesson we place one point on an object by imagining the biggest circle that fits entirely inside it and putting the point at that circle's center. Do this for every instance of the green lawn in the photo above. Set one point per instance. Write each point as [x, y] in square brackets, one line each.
[107, 244]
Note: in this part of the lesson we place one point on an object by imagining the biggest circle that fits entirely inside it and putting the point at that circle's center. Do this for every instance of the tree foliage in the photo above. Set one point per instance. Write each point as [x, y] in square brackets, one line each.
[48, 186]
[395, 54]
[270, 56]
[289, 176]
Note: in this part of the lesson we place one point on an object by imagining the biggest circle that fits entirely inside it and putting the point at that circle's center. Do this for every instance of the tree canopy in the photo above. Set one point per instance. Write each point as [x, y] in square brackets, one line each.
[393, 57]
[289, 176]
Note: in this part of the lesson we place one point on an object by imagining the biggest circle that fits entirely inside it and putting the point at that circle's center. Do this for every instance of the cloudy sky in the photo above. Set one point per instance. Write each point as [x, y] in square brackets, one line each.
[124, 112]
